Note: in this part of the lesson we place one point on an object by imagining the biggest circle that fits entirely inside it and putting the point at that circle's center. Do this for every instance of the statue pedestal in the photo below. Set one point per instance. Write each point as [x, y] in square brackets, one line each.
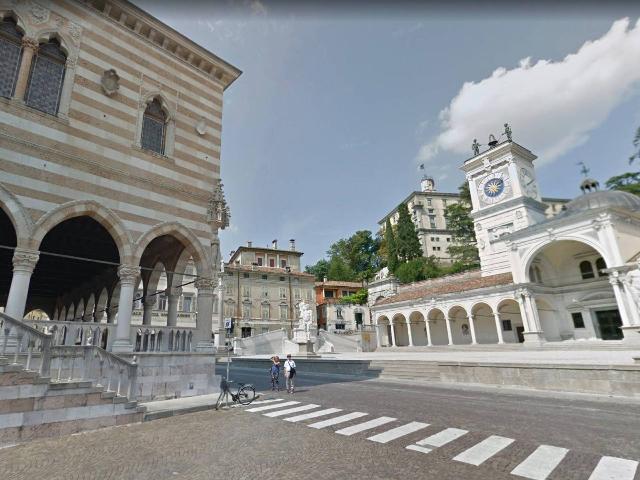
[305, 343]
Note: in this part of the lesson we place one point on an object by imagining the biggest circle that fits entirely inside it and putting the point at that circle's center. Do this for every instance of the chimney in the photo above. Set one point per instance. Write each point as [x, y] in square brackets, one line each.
[274, 244]
[324, 279]
[292, 244]
[249, 244]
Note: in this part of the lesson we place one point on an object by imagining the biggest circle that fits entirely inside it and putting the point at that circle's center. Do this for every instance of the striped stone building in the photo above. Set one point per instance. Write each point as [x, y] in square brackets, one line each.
[110, 133]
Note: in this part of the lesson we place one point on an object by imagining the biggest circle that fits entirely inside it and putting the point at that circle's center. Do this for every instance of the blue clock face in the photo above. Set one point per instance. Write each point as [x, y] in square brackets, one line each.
[494, 187]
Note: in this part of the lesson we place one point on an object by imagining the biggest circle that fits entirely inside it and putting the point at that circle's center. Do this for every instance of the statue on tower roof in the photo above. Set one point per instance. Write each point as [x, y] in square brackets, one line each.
[508, 132]
[475, 146]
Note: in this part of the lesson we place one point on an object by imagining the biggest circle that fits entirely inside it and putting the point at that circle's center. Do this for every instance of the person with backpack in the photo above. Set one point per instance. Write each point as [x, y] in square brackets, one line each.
[289, 373]
[274, 371]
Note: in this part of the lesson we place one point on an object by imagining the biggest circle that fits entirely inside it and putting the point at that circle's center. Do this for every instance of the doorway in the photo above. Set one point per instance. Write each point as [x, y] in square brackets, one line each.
[609, 323]
[520, 334]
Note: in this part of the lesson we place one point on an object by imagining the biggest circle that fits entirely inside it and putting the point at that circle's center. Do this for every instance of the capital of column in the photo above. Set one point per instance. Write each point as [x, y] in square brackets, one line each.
[30, 44]
[149, 301]
[25, 260]
[205, 285]
[614, 277]
[128, 274]
[173, 292]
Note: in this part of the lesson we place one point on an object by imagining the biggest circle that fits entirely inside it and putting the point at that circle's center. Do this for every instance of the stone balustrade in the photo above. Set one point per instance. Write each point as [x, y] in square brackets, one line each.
[22, 342]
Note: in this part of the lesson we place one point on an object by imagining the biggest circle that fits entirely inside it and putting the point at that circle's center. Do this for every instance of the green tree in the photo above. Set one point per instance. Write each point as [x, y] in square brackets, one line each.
[320, 269]
[390, 244]
[359, 252]
[358, 298]
[419, 269]
[463, 247]
[407, 243]
[627, 182]
[636, 144]
[339, 270]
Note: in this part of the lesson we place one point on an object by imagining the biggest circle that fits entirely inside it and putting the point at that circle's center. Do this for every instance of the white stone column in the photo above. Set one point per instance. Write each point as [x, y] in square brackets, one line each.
[128, 280]
[631, 303]
[496, 316]
[147, 314]
[428, 325]
[409, 333]
[472, 327]
[111, 314]
[24, 261]
[29, 49]
[393, 334]
[449, 335]
[533, 331]
[204, 317]
[378, 342]
[173, 295]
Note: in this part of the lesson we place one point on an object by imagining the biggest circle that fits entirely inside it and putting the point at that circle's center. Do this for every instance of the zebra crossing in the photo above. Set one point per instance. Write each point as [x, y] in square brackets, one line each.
[539, 465]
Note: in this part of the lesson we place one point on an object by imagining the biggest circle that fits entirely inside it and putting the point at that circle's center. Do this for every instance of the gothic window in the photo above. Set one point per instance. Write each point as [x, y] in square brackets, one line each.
[586, 270]
[154, 124]
[47, 76]
[601, 265]
[10, 55]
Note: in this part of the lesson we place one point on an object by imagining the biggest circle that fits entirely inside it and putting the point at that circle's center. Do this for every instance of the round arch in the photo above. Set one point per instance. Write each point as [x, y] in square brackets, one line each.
[107, 218]
[400, 329]
[185, 236]
[418, 326]
[484, 323]
[459, 322]
[511, 321]
[18, 215]
[531, 254]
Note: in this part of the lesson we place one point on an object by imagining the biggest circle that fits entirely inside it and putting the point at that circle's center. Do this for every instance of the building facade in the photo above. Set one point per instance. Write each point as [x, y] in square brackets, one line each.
[110, 133]
[427, 208]
[571, 277]
[335, 316]
[262, 288]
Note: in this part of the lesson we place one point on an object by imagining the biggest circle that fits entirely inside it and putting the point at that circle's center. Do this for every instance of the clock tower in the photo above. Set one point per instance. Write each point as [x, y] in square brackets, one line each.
[505, 198]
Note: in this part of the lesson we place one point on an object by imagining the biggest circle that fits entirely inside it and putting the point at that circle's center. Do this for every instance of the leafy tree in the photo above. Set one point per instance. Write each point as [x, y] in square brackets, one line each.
[339, 270]
[407, 243]
[358, 298]
[320, 269]
[627, 182]
[419, 269]
[390, 243]
[463, 248]
[359, 252]
[636, 144]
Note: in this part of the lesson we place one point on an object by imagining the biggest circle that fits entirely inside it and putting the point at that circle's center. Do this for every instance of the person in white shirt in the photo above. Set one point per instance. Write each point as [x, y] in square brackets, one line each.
[289, 373]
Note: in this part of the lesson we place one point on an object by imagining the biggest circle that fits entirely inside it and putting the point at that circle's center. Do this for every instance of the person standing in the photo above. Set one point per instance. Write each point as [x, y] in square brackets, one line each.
[275, 373]
[289, 373]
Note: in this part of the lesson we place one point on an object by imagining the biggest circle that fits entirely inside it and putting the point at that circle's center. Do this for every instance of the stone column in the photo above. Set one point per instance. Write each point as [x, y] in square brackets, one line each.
[472, 327]
[631, 303]
[128, 279]
[148, 303]
[111, 314]
[378, 342]
[409, 333]
[449, 335]
[173, 295]
[24, 261]
[496, 316]
[29, 49]
[204, 317]
[393, 334]
[428, 326]
[533, 330]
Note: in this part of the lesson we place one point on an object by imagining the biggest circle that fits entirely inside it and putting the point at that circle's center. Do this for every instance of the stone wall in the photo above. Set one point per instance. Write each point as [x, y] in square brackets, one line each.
[174, 375]
[270, 343]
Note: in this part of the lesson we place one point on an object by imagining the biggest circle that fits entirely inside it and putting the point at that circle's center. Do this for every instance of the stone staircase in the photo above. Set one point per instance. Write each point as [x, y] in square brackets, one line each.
[33, 406]
[405, 370]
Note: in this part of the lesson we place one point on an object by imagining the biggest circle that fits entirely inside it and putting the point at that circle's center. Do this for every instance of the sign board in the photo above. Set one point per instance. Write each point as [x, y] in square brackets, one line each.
[228, 323]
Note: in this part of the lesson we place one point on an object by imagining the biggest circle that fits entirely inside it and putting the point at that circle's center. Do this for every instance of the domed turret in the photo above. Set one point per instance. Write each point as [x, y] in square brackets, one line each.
[605, 198]
[589, 185]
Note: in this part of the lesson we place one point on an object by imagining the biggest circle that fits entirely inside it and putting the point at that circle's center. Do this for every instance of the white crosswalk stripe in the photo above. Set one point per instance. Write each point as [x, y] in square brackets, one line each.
[442, 438]
[541, 462]
[262, 402]
[361, 427]
[484, 450]
[398, 432]
[612, 468]
[418, 448]
[271, 407]
[337, 420]
[307, 416]
[289, 411]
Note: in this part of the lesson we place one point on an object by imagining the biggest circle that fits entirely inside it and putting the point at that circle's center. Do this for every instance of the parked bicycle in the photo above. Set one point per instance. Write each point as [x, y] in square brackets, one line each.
[244, 396]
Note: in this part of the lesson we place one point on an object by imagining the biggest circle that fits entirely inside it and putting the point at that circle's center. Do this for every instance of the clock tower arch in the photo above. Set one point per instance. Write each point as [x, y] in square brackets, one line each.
[505, 198]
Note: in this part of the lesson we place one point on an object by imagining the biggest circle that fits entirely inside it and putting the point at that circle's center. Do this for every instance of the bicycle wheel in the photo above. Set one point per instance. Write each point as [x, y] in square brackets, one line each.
[246, 394]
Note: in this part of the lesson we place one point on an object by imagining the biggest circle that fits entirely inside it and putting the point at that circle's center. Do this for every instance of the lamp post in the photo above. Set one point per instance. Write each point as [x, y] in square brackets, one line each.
[288, 269]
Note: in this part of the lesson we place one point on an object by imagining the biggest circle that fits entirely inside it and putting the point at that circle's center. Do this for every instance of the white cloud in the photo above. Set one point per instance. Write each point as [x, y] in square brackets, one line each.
[551, 106]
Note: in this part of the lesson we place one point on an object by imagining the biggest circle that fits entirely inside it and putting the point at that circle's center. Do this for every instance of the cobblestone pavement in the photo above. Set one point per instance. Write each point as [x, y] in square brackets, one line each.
[237, 444]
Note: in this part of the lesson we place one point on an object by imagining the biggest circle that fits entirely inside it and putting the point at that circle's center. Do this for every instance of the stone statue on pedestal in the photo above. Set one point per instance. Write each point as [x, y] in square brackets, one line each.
[306, 317]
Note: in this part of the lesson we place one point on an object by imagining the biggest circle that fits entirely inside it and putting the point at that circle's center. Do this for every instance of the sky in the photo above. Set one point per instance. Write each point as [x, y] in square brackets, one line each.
[340, 103]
